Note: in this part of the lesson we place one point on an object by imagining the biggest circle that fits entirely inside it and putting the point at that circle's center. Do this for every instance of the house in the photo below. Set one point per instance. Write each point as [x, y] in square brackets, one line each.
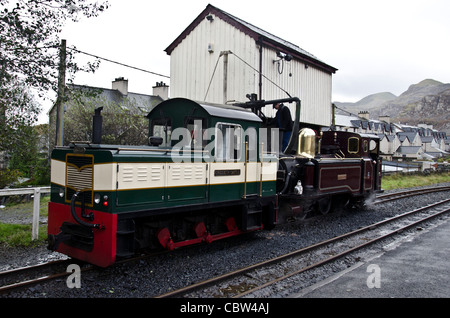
[408, 153]
[447, 144]
[389, 143]
[409, 138]
[397, 141]
[220, 58]
[118, 93]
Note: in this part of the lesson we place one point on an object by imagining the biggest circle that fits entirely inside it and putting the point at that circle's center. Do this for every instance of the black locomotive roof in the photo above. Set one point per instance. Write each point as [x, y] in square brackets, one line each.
[214, 110]
[228, 111]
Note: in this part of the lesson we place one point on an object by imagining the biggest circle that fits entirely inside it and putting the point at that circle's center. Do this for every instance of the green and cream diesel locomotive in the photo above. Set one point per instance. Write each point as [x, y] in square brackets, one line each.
[209, 172]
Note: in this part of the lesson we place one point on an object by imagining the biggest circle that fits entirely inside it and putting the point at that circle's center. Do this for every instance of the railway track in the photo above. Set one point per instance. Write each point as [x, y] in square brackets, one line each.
[27, 276]
[253, 279]
[407, 193]
[30, 275]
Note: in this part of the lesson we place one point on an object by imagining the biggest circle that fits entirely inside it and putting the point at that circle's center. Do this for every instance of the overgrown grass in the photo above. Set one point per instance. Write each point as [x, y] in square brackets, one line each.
[400, 181]
[19, 235]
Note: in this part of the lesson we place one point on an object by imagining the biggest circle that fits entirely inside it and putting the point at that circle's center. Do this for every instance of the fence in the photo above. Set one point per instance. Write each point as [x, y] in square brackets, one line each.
[36, 203]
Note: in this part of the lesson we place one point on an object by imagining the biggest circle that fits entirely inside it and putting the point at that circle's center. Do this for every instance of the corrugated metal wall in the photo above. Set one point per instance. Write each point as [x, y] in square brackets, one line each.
[310, 84]
[192, 67]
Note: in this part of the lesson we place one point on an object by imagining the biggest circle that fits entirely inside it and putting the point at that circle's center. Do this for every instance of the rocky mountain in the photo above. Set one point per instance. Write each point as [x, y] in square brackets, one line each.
[369, 103]
[425, 102]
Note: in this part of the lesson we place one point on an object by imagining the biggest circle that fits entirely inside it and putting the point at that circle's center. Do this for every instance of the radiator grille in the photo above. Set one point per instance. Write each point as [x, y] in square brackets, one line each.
[79, 176]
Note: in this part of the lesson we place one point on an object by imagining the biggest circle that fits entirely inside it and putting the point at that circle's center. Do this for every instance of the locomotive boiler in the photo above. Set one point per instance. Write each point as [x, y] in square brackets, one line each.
[209, 172]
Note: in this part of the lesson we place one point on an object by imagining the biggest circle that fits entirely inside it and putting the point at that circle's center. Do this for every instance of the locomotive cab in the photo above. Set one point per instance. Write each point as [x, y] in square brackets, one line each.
[329, 170]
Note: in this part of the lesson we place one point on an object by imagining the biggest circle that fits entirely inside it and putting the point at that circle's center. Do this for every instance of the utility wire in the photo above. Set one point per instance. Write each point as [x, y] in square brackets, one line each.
[242, 60]
[122, 64]
[140, 69]
[261, 74]
[212, 76]
[350, 113]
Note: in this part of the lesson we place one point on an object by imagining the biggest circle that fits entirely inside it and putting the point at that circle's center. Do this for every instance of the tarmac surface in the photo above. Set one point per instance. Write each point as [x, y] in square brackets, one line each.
[416, 267]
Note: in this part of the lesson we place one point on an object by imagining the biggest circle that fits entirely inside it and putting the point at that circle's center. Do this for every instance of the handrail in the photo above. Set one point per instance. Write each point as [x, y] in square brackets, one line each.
[36, 203]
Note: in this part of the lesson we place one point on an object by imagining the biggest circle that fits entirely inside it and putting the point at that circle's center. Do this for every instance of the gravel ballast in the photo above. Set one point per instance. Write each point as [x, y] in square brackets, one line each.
[159, 274]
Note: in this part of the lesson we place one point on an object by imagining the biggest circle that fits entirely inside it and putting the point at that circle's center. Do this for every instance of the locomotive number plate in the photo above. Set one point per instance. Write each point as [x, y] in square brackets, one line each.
[227, 172]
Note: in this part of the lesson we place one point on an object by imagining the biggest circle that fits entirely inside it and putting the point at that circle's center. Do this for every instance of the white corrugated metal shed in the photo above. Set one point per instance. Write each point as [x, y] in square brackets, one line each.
[198, 67]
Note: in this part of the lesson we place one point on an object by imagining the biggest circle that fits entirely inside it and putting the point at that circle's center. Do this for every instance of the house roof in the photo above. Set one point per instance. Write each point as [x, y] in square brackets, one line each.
[408, 149]
[262, 37]
[426, 139]
[144, 102]
[410, 135]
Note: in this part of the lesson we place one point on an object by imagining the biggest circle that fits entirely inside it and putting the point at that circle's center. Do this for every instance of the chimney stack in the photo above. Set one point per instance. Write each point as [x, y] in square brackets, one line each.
[385, 118]
[121, 85]
[161, 90]
[364, 114]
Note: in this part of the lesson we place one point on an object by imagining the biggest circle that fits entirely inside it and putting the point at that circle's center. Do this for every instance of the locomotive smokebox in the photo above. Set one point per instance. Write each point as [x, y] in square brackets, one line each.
[97, 124]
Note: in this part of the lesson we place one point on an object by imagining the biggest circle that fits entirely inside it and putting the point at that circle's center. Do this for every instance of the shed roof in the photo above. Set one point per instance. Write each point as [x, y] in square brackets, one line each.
[256, 33]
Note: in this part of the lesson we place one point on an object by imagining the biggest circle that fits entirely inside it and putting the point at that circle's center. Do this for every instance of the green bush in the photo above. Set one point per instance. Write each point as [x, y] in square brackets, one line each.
[8, 176]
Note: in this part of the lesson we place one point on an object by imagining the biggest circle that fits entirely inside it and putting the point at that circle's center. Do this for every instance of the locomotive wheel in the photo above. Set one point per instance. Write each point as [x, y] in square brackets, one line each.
[324, 205]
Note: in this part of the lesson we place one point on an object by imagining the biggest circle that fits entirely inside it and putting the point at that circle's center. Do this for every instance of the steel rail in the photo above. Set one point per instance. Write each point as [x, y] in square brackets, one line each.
[32, 267]
[244, 270]
[351, 250]
[29, 282]
[404, 194]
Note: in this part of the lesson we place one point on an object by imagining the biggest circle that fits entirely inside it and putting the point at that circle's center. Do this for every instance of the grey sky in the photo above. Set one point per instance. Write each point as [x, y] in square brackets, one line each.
[377, 46]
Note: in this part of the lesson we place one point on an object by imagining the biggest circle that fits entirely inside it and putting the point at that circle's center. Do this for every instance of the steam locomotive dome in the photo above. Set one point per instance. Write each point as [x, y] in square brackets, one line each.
[307, 143]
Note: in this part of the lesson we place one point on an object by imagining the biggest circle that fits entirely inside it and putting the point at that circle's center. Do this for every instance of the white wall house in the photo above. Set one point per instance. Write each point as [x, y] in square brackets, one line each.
[397, 141]
[220, 58]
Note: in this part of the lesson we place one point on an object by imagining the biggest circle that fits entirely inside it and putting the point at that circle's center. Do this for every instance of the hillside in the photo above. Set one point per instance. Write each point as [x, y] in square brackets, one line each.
[425, 102]
[369, 103]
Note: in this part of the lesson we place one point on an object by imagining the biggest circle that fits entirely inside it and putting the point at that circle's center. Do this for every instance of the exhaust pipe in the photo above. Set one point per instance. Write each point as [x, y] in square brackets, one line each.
[97, 124]
[256, 105]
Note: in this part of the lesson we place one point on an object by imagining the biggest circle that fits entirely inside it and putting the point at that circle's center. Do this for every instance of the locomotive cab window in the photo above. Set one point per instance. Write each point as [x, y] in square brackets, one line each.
[365, 146]
[353, 145]
[162, 127]
[228, 146]
[195, 127]
[373, 146]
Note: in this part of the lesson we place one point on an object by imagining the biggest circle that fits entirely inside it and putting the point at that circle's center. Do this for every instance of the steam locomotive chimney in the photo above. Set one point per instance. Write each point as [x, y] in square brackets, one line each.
[97, 126]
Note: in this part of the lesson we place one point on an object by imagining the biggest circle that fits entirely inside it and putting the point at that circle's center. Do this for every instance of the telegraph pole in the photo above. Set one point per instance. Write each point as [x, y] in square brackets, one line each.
[225, 77]
[60, 98]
